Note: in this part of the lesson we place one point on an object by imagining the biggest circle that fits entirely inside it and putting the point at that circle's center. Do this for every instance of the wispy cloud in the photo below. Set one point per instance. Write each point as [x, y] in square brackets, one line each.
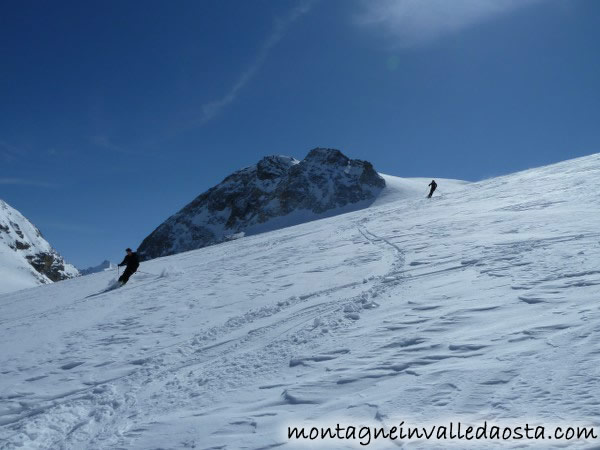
[211, 109]
[414, 22]
[27, 182]
[9, 153]
[104, 142]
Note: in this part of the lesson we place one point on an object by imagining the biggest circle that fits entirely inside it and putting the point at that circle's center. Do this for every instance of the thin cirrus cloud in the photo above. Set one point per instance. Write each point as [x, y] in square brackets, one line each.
[105, 143]
[414, 22]
[212, 109]
[9, 153]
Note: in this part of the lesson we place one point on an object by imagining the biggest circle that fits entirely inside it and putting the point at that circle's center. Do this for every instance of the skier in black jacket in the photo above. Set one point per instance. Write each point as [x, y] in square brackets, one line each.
[433, 185]
[132, 262]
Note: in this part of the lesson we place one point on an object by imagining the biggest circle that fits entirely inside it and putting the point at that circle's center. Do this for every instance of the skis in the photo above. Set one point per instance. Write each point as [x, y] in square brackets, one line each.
[116, 285]
[111, 287]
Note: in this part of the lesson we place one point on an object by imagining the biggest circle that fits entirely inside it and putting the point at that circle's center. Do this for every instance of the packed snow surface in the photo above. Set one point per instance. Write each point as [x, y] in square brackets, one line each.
[478, 304]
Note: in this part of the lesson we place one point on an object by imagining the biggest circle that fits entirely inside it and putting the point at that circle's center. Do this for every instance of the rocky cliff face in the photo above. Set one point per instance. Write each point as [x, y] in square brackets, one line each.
[277, 191]
[26, 258]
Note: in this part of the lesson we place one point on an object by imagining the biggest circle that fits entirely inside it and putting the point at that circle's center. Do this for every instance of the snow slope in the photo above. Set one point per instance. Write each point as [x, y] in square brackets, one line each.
[479, 304]
[26, 258]
[397, 188]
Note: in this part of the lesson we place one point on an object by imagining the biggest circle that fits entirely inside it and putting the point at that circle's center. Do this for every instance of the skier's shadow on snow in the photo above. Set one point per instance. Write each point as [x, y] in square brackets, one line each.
[112, 287]
[116, 285]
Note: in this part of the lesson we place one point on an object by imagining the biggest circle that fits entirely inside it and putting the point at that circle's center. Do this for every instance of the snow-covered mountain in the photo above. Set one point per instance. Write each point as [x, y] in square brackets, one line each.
[104, 265]
[478, 305]
[276, 192]
[26, 258]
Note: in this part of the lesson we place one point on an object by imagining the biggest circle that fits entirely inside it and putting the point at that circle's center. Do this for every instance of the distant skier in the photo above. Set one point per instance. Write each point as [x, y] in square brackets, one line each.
[433, 185]
[132, 262]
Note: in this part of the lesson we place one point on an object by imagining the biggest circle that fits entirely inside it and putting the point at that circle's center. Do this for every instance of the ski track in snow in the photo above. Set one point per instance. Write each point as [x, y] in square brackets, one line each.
[480, 304]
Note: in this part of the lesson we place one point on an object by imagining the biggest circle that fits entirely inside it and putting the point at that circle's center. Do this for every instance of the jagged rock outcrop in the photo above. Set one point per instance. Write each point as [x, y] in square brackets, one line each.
[277, 187]
[26, 258]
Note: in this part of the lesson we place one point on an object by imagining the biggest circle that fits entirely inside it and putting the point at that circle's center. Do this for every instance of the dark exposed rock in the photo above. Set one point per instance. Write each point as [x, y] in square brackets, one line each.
[21, 245]
[17, 230]
[49, 264]
[277, 186]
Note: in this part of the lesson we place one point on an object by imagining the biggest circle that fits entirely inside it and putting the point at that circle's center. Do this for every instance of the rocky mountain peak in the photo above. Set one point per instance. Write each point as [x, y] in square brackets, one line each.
[274, 167]
[259, 197]
[26, 258]
[329, 156]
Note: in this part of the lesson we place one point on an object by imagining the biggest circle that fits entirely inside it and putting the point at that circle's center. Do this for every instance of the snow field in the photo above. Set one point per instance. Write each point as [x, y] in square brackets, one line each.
[479, 304]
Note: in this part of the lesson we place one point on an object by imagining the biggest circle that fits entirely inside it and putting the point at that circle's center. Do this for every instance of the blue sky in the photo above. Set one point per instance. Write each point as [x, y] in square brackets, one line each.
[116, 114]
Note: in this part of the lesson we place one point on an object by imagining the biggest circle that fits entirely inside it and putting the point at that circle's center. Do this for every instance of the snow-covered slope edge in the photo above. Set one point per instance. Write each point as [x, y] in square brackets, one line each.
[26, 258]
[398, 188]
[479, 305]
